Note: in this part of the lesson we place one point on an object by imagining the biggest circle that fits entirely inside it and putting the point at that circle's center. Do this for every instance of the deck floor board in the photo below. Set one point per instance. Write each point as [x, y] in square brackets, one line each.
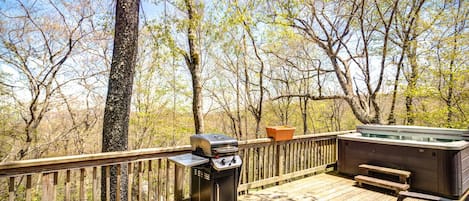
[321, 187]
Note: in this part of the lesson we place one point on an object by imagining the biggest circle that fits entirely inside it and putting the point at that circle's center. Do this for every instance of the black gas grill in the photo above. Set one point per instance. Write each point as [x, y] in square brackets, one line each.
[218, 179]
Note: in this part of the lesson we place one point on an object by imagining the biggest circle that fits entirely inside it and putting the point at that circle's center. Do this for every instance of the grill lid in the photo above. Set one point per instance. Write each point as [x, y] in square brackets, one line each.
[213, 144]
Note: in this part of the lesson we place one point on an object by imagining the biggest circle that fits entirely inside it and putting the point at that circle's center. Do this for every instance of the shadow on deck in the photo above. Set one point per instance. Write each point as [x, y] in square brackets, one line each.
[325, 186]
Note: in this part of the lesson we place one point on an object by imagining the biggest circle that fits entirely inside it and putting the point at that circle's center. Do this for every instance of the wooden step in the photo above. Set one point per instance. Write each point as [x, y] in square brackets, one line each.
[361, 179]
[407, 194]
[402, 174]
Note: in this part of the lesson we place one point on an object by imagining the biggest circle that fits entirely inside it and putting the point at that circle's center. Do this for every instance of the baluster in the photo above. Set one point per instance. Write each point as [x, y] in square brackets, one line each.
[326, 151]
[130, 179]
[323, 152]
[307, 156]
[287, 158]
[256, 161]
[302, 155]
[28, 187]
[139, 181]
[259, 164]
[297, 156]
[280, 162]
[319, 150]
[273, 159]
[294, 156]
[94, 193]
[11, 189]
[311, 154]
[158, 179]
[290, 158]
[108, 183]
[119, 182]
[67, 185]
[270, 152]
[82, 184]
[336, 157]
[247, 162]
[306, 153]
[315, 154]
[320, 153]
[245, 166]
[167, 179]
[254, 164]
[266, 162]
[150, 181]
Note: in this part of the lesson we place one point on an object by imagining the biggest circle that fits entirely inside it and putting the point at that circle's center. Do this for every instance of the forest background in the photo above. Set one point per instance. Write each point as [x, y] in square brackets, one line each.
[316, 65]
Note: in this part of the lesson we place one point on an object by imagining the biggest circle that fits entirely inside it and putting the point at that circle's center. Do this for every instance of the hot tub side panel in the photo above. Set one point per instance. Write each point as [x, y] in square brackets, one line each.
[432, 170]
[462, 163]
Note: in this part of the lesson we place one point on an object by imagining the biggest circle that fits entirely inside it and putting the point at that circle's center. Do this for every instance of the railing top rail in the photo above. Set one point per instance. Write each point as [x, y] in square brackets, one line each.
[109, 158]
[260, 141]
[86, 160]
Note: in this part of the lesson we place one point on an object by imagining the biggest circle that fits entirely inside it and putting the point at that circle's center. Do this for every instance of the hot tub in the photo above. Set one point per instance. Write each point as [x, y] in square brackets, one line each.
[437, 158]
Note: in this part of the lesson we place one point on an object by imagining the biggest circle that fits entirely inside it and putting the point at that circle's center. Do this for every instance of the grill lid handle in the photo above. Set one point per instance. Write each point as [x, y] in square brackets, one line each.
[224, 150]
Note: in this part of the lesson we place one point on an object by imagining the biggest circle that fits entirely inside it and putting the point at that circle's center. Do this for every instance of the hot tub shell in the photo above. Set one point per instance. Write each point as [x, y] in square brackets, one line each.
[440, 168]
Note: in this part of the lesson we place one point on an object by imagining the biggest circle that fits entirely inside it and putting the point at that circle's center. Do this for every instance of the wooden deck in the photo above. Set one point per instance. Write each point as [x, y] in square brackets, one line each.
[326, 186]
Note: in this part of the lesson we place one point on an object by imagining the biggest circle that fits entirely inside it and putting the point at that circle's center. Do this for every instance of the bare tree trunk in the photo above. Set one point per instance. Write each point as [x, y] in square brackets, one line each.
[193, 62]
[197, 100]
[116, 113]
[238, 105]
[256, 110]
[392, 118]
[304, 113]
[449, 99]
[412, 84]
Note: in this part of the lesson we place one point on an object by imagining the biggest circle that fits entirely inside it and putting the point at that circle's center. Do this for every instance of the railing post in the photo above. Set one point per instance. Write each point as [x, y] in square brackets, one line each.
[178, 182]
[49, 183]
[279, 161]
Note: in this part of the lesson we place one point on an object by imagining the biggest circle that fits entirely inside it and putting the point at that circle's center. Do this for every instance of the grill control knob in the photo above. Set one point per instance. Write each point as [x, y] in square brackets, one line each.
[233, 160]
[222, 161]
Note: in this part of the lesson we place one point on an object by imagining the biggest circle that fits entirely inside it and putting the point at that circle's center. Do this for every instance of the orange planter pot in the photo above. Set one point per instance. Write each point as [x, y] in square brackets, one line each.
[280, 133]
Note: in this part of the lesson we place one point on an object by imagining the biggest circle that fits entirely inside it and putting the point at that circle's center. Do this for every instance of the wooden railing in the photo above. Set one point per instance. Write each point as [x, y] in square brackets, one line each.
[152, 176]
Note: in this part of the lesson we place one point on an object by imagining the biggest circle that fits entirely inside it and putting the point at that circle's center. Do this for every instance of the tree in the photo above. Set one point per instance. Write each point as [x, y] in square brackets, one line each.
[37, 45]
[331, 26]
[117, 109]
[409, 46]
[254, 90]
[451, 70]
[193, 63]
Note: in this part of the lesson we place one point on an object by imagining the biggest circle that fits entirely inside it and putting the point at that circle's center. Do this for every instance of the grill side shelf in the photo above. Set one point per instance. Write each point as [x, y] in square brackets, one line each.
[188, 160]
